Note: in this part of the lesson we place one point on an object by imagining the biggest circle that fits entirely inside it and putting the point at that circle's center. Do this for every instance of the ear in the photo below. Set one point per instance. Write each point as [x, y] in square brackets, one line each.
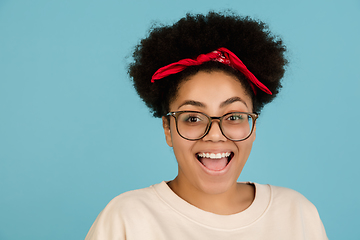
[167, 131]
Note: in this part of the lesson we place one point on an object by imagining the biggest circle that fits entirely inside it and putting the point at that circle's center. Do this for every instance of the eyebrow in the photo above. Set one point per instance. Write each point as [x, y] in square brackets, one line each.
[193, 103]
[232, 100]
[223, 104]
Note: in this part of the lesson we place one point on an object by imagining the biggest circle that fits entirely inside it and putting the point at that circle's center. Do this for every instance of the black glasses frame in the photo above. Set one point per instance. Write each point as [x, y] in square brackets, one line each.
[176, 114]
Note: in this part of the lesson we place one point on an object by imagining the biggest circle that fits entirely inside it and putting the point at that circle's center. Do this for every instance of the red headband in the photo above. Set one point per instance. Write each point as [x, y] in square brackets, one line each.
[222, 55]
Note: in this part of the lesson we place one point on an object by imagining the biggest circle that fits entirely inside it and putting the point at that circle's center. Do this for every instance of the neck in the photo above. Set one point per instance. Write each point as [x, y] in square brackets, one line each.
[234, 200]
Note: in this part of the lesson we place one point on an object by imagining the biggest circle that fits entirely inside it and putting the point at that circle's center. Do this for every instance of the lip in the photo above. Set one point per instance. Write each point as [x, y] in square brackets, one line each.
[216, 172]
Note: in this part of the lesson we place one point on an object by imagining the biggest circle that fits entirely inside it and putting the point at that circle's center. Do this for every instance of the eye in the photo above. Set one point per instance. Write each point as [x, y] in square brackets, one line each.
[235, 117]
[193, 119]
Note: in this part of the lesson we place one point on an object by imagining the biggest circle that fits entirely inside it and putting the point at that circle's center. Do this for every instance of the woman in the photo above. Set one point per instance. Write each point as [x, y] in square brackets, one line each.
[208, 77]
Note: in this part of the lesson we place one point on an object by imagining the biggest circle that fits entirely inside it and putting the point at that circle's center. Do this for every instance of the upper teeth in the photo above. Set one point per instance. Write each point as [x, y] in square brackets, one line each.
[214, 155]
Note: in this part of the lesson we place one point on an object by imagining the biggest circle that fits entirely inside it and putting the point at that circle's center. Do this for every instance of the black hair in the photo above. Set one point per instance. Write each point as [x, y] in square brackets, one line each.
[251, 40]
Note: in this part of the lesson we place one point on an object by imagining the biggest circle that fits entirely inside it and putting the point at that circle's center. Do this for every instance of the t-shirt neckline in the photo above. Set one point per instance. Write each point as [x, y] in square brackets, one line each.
[215, 221]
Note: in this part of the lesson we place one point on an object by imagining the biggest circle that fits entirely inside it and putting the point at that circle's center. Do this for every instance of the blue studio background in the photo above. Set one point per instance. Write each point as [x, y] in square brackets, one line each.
[74, 134]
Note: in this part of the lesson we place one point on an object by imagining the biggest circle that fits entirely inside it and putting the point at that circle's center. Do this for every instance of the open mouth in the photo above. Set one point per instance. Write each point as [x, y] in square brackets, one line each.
[215, 161]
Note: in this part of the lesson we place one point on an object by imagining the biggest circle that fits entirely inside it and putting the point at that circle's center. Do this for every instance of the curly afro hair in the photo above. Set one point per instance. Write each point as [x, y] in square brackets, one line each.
[250, 40]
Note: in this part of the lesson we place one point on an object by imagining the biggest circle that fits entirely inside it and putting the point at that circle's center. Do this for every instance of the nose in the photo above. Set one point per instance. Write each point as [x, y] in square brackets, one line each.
[214, 134]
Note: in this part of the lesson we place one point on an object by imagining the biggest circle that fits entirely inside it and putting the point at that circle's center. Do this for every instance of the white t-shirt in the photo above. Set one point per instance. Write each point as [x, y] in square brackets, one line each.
[157, 213]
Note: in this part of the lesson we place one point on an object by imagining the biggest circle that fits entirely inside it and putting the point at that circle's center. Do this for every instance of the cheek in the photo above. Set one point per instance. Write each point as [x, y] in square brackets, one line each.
[246, 146]
[181, 147]
[179, 144]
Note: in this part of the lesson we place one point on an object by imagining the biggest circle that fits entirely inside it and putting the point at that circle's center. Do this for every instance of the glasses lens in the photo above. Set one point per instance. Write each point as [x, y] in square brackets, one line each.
[237, 126]
[192, 125]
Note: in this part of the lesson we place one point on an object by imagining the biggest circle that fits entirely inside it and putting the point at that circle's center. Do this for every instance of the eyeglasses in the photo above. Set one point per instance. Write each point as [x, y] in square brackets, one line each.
[235, 126]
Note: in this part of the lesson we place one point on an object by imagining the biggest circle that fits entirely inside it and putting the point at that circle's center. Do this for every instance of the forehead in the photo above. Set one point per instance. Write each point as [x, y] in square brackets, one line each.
[211, 89]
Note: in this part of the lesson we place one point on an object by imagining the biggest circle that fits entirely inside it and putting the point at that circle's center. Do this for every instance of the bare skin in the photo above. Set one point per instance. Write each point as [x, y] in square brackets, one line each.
[215, 93]
[222, 204]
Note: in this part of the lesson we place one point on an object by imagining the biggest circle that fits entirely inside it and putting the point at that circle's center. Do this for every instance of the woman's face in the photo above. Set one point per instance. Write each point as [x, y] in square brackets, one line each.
[215, 94]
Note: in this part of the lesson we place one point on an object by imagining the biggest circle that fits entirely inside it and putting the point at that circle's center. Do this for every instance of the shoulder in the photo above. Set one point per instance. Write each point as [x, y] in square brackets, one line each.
[287, 203]
[123, 210]
[291, 198]
[130, 196]
[283, 201]
[294, 210]
[130, 204]
[291, 210]
[131, 201]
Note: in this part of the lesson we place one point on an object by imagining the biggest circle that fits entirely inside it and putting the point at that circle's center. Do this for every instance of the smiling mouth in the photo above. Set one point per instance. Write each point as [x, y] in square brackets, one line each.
[215, 161]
